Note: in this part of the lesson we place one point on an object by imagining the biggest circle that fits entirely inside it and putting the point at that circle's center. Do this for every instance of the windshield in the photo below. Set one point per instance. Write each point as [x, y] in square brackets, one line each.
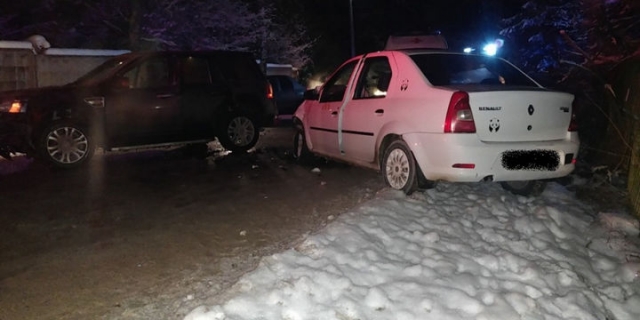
[103, 71]
[443, 69]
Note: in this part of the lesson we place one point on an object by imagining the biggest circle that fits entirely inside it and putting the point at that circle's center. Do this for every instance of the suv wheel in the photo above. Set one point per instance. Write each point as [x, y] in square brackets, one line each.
[525, 188]
[399, 168]
[239, 133]
[66, 145]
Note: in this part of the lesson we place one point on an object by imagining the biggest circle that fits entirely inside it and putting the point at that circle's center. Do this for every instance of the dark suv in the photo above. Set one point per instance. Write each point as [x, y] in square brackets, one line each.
[141, 100]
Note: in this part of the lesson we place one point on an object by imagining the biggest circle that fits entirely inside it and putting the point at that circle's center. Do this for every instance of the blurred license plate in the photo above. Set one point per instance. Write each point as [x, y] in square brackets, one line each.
[543, 160]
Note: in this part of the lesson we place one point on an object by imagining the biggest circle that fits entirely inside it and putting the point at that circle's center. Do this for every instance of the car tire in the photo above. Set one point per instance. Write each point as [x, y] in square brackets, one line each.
[238, 133]
[66, 145]
[301, 151]
[399, 168]
[530, 188]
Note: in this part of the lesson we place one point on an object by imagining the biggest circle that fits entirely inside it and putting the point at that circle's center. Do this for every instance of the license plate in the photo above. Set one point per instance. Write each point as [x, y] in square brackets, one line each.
[540, 160]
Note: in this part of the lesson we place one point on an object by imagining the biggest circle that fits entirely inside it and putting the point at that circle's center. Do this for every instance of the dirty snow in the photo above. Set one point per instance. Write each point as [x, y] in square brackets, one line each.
[460, 251]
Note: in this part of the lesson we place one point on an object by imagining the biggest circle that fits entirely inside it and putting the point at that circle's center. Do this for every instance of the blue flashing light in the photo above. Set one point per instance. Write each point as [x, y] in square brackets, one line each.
[490, 49]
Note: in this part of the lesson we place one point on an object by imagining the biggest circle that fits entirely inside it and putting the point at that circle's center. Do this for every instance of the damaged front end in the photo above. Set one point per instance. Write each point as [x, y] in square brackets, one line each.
[13, 138]
[12, 143]
[14, 131]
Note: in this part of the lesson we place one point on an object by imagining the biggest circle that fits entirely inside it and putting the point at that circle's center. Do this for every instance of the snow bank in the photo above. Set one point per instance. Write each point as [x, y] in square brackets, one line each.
[460, 251]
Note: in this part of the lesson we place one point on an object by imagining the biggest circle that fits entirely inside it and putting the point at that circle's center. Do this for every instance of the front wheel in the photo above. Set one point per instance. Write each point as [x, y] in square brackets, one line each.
[525, 188]
[301, 152]
[238, 133]
[399, 167]
[66, 145]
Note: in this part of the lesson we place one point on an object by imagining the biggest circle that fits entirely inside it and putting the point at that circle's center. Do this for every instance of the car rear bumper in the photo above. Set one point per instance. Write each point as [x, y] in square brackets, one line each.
[466, 159]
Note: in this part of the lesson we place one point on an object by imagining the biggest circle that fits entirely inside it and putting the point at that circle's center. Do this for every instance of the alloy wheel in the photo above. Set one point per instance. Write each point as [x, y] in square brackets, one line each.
[67, 145]
[241, 131]
[397, 169]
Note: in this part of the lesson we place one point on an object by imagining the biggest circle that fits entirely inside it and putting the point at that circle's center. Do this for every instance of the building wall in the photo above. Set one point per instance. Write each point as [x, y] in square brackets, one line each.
[17, 69]
[21, 68]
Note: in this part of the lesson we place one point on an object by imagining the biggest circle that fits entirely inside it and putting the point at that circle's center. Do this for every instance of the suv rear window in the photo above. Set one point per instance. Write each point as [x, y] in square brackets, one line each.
[462, 69]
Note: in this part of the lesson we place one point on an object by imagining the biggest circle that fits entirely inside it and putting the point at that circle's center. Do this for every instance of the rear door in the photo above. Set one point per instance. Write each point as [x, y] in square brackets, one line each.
[323, 118]
[147, 110]
[203, 92]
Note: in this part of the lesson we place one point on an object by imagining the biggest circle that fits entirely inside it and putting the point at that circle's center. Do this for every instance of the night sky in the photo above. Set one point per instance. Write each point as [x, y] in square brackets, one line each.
[462, 22]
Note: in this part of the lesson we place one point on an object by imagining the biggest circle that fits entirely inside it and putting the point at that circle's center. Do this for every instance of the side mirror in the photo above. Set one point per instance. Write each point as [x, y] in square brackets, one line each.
[311, 94]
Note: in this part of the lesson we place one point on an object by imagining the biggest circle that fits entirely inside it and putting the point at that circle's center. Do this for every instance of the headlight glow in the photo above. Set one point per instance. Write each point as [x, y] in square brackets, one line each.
[15, 106]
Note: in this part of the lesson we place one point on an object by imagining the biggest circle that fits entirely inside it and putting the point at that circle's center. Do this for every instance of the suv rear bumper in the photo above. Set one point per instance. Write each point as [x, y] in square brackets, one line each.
[465, 151]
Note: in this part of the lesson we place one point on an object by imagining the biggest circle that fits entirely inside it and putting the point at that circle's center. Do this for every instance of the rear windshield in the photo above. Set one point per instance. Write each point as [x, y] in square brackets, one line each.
[442, 69]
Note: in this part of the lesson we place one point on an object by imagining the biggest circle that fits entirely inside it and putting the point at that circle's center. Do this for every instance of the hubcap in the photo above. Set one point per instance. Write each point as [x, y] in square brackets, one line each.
[67, 145]
[397, 169]
[241, 131]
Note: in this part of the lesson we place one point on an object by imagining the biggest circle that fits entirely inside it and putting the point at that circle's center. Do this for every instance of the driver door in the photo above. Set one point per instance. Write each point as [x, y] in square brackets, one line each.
[323, 118]
[145, 109]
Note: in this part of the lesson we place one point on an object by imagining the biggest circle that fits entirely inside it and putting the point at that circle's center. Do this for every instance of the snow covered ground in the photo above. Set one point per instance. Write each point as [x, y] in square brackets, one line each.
[460, 251]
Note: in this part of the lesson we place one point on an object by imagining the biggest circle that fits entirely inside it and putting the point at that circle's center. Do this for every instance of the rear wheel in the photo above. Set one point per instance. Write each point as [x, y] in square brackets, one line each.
[66, 145]
[525, 188]
[399, 168]
[239, 133]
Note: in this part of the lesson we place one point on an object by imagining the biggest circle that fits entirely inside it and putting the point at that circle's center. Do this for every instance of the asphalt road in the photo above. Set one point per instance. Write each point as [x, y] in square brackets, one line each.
[153, 234]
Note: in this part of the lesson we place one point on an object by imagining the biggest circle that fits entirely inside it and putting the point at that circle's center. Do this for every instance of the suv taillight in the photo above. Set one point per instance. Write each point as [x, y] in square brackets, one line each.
[269, 91]
[459, 117]
[573, 124]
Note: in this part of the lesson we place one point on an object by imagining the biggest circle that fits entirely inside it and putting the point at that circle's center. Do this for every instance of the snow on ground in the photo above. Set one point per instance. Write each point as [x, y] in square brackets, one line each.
[460, 251]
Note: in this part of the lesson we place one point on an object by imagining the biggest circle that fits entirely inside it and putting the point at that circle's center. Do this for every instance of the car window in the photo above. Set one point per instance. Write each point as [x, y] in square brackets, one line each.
[374, 79]
[460, 69]
[334, 89]
[195, 71]
[237, 69]
[104, 70]
[150, 73]
[287, 84]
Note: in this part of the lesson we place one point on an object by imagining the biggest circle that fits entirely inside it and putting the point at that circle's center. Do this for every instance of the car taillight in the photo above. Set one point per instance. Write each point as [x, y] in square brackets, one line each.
[269, 91]
[459, 117]
[573, 124]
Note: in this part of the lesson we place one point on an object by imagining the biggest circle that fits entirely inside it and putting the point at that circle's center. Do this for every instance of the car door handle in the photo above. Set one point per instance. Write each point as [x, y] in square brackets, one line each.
[379, 112]
[334, 113]
[164, 96]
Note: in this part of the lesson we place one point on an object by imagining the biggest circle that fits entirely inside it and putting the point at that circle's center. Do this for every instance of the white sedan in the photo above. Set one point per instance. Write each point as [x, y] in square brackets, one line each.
[420, 116]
